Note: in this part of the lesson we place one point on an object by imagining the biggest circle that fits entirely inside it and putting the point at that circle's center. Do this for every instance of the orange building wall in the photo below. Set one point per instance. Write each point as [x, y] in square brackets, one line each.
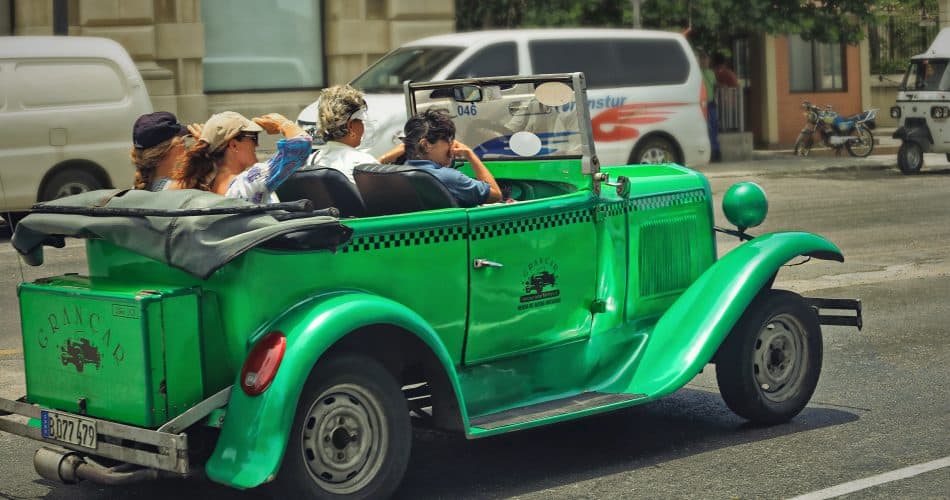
[790, 119]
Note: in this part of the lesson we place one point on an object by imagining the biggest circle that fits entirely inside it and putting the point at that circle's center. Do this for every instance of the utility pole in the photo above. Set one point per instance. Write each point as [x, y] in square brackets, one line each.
[636, 13]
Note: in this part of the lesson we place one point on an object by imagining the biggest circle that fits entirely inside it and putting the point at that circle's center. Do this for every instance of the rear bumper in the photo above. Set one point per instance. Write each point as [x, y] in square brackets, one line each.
[824, 306]
[158, 450]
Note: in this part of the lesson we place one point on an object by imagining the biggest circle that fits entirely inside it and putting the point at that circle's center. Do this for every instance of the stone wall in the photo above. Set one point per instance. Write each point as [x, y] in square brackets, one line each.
[166, 40]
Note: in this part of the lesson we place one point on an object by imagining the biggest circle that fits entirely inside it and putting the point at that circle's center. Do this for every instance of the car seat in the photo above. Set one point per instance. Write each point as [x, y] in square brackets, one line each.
[397, 189]
[325, 187]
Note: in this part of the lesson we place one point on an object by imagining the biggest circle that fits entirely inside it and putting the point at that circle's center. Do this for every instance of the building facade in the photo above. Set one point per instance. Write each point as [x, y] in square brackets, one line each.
[199, 57]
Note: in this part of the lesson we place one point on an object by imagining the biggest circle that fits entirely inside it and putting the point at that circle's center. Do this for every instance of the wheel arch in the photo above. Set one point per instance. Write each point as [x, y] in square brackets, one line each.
[690, 332]
[254, 435]
[87, 166]
[657, 134]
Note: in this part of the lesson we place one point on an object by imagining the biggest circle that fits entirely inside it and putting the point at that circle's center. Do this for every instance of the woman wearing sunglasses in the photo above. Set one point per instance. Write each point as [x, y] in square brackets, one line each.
[223, 160]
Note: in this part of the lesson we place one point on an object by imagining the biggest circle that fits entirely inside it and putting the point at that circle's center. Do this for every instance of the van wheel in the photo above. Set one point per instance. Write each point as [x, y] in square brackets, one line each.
[655, 150]
[910, 158]
[351, 434]
[68, 183]
[768, 366]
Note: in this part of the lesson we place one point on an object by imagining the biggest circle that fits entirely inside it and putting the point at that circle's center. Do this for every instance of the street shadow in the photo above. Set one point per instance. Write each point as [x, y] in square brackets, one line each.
[687, 423]
[690, 422]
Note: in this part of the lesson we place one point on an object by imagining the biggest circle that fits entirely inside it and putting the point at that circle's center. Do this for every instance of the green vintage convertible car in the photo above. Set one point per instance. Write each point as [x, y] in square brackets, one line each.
[281, 346]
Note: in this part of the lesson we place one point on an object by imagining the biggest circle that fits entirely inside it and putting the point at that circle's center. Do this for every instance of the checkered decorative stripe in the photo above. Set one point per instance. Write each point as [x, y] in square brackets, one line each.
[614, 209]
[667, 200]
[405, 239]
[530, 224]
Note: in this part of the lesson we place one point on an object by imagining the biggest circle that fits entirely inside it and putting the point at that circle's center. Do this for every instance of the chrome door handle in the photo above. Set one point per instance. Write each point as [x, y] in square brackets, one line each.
[480, 263]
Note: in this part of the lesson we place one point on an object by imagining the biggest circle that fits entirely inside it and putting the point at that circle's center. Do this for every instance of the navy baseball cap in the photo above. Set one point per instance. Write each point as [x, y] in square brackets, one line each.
[156, 128]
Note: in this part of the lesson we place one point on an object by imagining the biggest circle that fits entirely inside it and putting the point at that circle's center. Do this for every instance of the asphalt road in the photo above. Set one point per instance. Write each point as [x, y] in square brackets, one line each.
[882, 404]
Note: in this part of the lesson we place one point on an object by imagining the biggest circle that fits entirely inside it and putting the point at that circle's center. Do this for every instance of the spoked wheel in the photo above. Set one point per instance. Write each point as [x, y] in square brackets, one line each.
[804, 143]
[351, 435]
[769, 365]
[910, 158]
[863, 145]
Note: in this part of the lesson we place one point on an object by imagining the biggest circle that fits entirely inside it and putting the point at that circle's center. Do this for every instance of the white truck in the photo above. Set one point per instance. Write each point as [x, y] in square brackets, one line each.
[923, 106]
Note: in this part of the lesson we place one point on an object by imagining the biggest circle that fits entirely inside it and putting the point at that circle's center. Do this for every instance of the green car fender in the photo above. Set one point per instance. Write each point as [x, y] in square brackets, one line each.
[687, 336]
[254, 435]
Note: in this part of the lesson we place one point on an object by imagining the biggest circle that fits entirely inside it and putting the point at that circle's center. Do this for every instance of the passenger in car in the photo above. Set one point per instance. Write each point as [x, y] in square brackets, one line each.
[342, 123]
[223, 160]
[430, 143]
[157, 144]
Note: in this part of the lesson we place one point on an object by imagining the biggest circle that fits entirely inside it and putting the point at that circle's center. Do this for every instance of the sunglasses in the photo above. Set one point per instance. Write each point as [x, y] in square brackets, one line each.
[252, 137]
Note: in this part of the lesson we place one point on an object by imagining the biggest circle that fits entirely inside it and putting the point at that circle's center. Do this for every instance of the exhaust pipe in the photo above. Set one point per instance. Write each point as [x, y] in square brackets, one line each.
[69, 467]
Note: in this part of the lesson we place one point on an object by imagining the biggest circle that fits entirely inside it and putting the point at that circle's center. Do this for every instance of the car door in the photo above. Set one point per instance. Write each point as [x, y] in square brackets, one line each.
[532, 276]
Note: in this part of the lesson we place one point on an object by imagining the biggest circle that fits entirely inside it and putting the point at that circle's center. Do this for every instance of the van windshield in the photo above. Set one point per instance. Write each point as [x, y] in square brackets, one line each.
[418, 64]
[926, 74]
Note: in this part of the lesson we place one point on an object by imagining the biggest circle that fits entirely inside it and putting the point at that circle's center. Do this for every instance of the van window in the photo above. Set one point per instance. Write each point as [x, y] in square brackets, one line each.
[927, 74]
[418, 64]
[613, 62]
[90, 82]
[500, 59]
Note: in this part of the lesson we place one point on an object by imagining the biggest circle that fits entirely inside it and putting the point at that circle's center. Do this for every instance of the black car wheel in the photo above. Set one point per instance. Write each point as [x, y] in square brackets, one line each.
[769, 365]
[910, 158]
[351, 434]
[654, 150]
[68, 183]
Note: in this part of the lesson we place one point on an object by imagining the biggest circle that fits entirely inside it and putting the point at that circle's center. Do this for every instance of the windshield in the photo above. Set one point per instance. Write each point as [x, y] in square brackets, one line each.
[926, 74]
[523, 120]
[418, 64]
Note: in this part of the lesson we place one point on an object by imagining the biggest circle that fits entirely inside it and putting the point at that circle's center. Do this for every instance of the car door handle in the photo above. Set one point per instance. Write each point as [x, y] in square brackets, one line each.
[480, 263]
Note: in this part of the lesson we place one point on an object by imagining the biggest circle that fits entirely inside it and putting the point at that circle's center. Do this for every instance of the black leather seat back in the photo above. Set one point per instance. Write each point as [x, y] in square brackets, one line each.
[397, 189]
[325, 187]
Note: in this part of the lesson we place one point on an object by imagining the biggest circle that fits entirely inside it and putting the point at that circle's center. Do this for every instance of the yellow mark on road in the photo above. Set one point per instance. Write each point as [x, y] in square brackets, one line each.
[9, 353]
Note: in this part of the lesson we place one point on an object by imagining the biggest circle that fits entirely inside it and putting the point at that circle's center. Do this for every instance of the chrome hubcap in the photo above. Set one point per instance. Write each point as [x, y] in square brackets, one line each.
[780, 357]
[344, 439]
[655, 155]
[71, 188]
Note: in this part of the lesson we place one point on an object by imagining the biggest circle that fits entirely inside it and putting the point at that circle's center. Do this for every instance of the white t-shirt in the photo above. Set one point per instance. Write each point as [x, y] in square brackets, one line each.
[339, 156]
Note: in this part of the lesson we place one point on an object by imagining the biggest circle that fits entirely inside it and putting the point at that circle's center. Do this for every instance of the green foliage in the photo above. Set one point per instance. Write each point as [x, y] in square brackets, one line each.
[713, 23]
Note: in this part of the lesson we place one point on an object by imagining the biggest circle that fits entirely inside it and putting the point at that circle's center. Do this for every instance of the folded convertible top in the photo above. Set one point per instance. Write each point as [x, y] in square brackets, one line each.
[192, 230]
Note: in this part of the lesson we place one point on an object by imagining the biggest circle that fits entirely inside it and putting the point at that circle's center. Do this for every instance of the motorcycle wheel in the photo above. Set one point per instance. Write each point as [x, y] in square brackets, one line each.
[804, 143]
[910, 158]
[864, 143]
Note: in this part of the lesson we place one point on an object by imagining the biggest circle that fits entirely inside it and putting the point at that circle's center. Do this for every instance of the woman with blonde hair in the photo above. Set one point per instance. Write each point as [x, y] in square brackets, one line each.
[224, 158]
[158, 142]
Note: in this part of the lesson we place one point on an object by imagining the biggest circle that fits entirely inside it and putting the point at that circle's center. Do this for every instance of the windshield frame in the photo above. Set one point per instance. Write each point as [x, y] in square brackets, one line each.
[914, 81]
[589, 163]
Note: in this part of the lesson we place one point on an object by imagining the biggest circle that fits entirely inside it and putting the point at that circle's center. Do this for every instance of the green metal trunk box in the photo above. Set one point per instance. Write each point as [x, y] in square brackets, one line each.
[110, 350]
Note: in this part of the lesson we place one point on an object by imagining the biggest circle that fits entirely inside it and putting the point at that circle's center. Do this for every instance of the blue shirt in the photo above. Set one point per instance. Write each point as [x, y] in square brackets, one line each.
[468, 192]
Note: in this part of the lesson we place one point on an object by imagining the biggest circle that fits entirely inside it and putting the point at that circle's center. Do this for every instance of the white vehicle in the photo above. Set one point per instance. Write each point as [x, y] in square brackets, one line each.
[923, 106]
[645, 87]
[67, 105]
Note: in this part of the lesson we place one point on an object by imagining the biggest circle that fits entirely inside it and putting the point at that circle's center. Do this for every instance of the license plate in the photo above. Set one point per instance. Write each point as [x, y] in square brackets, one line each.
[68, 428]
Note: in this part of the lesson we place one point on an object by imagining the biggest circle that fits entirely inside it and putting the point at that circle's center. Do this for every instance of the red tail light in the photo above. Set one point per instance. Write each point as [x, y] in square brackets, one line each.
[261, 365]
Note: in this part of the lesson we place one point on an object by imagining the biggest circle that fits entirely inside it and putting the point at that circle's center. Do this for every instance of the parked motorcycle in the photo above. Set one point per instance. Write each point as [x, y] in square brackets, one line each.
[851, 132]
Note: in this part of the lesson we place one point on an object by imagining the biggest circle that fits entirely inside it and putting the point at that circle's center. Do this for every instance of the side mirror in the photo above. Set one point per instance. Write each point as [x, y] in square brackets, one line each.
[745, 205]
[467, 93]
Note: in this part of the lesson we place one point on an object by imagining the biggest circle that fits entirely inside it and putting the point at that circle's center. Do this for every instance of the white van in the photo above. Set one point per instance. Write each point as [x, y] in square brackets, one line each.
[645, 88]
[923, 106]
[67, 105]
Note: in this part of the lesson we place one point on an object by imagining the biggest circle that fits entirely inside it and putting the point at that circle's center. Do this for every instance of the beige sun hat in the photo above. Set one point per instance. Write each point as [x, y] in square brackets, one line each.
[222, 127]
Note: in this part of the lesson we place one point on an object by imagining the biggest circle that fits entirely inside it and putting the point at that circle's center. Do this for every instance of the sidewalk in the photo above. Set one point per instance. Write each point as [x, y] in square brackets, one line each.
[788, 162]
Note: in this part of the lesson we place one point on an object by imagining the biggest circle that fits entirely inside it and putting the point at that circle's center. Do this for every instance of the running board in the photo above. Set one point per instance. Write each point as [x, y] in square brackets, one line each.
[837, 305]
[557, 407]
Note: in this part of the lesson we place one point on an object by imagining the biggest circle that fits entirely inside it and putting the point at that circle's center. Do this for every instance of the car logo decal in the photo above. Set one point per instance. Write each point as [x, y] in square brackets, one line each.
[540, 284]
[617, 124]
[79, 354]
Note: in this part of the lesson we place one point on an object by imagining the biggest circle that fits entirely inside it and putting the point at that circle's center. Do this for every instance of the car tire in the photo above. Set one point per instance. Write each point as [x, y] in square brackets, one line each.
[768, 366]
[351, 434]
[910, 158]
[654, 150]
[69, 182]
[866, 139]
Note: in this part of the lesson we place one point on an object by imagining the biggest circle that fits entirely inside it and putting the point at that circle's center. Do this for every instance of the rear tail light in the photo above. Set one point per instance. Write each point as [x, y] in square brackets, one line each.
[261, 365]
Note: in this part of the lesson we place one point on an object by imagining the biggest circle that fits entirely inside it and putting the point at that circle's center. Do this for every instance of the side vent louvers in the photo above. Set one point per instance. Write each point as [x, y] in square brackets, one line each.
[666, 254]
